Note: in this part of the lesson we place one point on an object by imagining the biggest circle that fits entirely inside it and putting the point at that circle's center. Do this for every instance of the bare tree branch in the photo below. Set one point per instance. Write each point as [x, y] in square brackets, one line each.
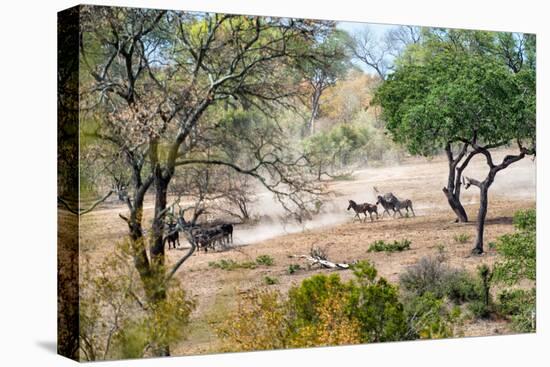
[83, 211]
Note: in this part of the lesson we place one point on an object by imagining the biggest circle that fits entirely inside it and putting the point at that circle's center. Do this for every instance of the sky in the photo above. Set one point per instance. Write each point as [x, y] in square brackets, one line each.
[352, 27]
[378, 29]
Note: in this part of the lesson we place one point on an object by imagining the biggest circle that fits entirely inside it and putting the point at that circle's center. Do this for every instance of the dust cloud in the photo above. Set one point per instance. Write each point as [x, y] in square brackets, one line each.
[419, 180]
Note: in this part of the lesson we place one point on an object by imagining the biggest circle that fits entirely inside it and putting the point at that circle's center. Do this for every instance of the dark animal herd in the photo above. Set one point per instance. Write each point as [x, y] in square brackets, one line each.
[388, 202]
[205, 236]
[210, 235]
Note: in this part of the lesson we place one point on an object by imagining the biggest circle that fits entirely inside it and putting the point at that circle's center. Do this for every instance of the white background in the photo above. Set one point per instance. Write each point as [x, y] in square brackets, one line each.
[28, 182]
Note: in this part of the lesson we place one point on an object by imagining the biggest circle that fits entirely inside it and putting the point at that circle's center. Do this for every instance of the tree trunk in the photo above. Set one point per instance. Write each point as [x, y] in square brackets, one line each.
[314, 110]
[452, 191]
[158, 288]
[454, 202]
[139, 252]
[482, 214]
[157, 225]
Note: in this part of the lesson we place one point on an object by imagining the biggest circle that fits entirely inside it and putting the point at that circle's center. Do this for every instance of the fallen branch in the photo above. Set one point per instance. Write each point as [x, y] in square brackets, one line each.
[323, 262]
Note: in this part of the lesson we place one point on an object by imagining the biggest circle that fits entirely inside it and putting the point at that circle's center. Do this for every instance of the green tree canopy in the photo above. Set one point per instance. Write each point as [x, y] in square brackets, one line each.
[465, 92]
[457, 97]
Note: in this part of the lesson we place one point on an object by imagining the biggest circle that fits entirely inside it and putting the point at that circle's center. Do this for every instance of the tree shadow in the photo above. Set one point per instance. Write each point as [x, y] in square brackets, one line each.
[499, 220]
[489, 221]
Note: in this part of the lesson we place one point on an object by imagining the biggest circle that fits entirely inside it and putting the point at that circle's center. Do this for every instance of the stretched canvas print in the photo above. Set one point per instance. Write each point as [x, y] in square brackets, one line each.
[235, 183]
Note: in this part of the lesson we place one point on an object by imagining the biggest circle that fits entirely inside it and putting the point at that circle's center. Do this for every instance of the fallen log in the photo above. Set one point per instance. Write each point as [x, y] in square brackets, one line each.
[323, 262]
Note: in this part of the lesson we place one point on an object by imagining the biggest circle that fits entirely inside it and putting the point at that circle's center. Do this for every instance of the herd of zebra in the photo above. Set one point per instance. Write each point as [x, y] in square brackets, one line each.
[204, 236]
[388, 201]
[208, 236]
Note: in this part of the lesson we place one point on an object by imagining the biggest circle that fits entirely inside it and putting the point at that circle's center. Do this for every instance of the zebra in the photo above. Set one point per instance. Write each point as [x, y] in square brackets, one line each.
[404, 204]
[363, 208]
[388, 201]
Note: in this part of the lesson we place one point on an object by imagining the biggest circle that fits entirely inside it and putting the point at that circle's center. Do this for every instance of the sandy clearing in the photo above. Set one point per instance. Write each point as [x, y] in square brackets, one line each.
[420, 180]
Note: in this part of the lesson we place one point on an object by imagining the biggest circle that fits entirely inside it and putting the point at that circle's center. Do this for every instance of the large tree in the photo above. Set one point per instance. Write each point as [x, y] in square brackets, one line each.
[323, 71]
[456, 94]
[151, 81]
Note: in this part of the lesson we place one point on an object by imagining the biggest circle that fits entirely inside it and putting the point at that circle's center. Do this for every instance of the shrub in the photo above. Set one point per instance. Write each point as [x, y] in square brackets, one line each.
[260, 322]
[396, 246]
[519, 306]
[460, 287]
[483, 307]
[375, 304]
[430, 274]
[265, 260]
[270, 281]
[479, 309]
[330, 151]
[116, 318]
[429, 318]
[293, 268]
[334, 327]
[526, 220]
[312, 292]
[322, 310]
[371, 301]
[232, 264]
[462, 238]
[510, 302]
[424, 276]
[518, 250]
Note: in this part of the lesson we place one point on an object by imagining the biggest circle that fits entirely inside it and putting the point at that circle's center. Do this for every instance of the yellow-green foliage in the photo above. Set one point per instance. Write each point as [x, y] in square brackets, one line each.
[322, 310]
[333, 327]
[518, 250]
[234, 265]
[430, 318]
[462, 238]
[519, 260]
[260, 322]
[396, 246]
[118, 319]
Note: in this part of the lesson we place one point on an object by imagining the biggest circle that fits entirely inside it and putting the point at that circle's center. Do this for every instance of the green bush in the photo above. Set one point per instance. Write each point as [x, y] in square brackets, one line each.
[429, 317]
[371, 301]
[462, 238]
[306, 298]
[293, 268]
[510, 302]
[375, 304]
[265, 260]
[518, 250]
[460, 287]
[232, 264]
[479, 309]
[526, 220]
[116, 319]
[396, 246]
[431, 275]
[324, 310]
[519, 306]
[483, 307]
[270, 281]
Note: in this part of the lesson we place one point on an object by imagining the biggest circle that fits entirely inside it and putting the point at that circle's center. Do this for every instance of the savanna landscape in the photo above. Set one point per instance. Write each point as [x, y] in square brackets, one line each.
[250, 183]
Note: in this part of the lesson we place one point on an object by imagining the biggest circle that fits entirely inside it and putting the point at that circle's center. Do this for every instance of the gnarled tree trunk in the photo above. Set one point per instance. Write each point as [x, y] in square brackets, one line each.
[481, 216]
[454, 182]
[486, 184]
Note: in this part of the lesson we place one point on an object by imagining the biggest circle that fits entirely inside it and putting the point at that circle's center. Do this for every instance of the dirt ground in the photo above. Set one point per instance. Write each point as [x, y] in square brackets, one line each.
[432, 230]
